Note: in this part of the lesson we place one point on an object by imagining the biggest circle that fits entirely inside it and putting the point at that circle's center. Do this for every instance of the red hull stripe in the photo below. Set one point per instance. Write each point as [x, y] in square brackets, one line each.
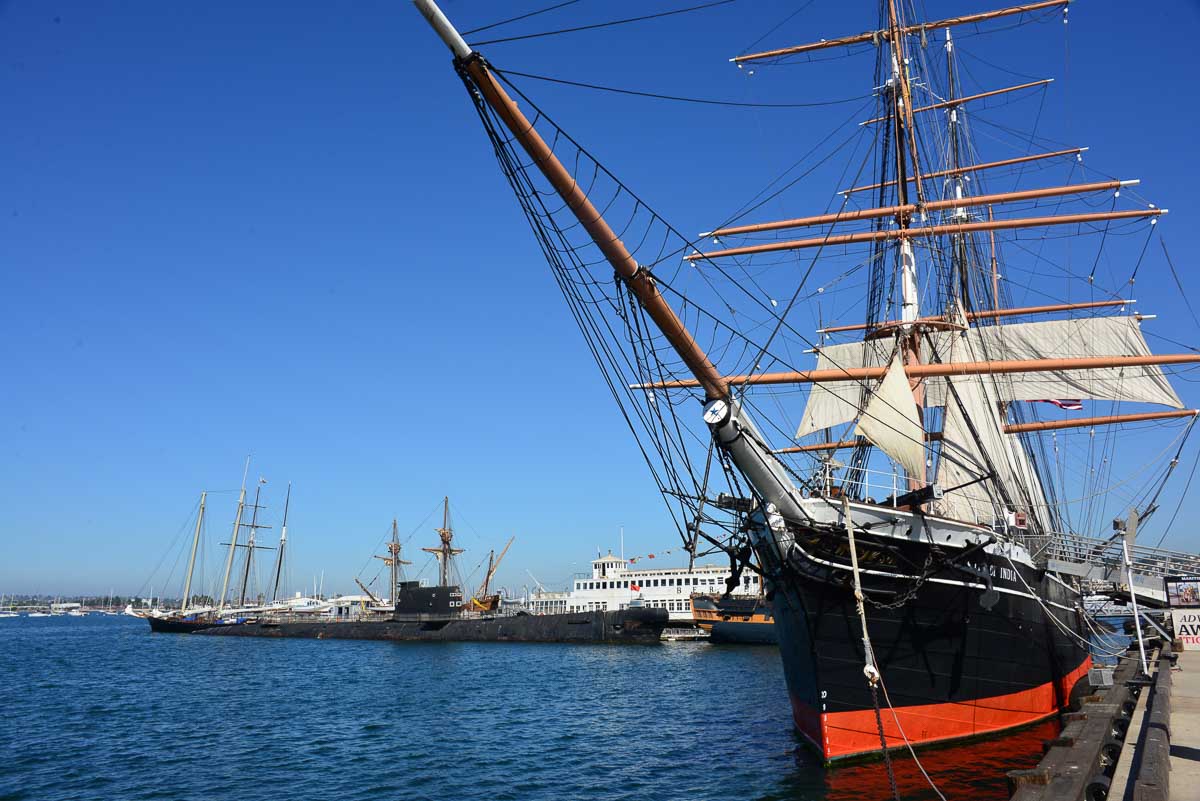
[843, 734]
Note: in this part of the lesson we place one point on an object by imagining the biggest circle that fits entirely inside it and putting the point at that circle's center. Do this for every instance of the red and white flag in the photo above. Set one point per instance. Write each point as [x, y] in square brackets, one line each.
[1069, 405]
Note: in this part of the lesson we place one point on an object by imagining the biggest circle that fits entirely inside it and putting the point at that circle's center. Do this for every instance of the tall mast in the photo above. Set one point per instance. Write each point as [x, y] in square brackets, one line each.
[905, 140]
[444, 551]
[250, 546]
[187, 585]
[394, 550]
[447, 535]
[237, 526]
[959, 213]
[282, 545]
[394, 561]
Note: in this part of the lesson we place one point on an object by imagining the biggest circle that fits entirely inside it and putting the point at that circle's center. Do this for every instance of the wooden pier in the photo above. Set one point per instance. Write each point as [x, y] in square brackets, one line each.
[1138, 740]
[1184, 726]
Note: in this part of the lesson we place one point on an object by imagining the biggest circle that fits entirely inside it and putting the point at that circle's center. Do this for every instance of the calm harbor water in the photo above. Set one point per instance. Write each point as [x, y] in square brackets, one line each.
[99, 708]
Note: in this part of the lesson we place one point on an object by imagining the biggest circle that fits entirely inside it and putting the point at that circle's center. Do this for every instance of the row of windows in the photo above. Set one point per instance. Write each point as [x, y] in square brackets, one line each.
[601, 606]
[686, 581]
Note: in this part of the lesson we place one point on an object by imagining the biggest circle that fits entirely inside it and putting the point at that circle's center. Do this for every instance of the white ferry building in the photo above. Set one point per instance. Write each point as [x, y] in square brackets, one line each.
[613, 584]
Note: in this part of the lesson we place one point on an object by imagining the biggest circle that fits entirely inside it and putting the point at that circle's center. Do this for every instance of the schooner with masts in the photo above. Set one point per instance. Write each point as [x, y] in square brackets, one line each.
[190, 617]
[910, 498]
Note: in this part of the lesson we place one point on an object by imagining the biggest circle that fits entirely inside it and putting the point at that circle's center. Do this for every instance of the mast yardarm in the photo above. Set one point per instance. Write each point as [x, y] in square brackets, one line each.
[1017, 428]
[933, 205]
[1074, 151]
[918, 371]
[927, 231]
[960, 100]
[886, 33]
[986, 314]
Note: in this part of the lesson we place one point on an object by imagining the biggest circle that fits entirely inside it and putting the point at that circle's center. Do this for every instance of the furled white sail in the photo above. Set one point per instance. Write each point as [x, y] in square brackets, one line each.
[892, 422]
[974, 445]
[1062, 339]
[837, 402]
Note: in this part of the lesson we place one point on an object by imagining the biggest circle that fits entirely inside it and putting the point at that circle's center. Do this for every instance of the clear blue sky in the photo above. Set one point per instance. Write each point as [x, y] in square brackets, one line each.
[277, 229]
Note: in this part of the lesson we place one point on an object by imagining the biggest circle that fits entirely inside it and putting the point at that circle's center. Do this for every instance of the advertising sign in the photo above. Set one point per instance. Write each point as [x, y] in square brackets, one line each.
[1183, 592]
[1183, 596]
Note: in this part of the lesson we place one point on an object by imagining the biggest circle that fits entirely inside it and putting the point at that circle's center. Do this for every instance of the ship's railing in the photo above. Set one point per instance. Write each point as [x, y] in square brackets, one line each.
[874, 486]
[1107, 553]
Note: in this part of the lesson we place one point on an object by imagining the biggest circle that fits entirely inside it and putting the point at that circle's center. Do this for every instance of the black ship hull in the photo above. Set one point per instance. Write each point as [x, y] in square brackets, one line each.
[626, 626]
[958, 659]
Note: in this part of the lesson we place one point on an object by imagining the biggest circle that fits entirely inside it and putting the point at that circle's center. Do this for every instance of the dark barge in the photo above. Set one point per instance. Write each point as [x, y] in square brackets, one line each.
[435, 614]
[625, 626]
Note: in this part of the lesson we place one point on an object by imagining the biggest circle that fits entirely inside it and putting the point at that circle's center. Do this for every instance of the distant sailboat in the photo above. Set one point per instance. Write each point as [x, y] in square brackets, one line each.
[185, 618]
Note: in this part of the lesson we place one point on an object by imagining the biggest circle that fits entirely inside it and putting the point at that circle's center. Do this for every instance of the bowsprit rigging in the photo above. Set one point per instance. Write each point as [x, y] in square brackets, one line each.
[951, 535]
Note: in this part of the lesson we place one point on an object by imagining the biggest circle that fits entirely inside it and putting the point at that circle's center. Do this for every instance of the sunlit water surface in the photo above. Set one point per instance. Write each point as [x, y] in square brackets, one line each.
[100, 708]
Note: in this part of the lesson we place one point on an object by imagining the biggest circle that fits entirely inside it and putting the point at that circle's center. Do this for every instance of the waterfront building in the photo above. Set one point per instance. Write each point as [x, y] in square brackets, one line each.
[614, 583]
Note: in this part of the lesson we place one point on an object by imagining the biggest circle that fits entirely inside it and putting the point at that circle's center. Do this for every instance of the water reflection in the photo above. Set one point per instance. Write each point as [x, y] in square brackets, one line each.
[973, 770]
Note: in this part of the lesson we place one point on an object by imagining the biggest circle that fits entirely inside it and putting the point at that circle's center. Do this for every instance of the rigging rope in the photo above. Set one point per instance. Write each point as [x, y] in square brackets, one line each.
[677, 98]
[518, 18]
[609, 24]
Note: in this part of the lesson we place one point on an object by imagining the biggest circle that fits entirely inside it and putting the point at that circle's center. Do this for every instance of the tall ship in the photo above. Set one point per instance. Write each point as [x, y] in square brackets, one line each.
[907, 478]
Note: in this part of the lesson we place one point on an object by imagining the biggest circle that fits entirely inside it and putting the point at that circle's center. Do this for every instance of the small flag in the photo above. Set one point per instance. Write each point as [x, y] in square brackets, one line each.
[1069, 405]
[635, 587]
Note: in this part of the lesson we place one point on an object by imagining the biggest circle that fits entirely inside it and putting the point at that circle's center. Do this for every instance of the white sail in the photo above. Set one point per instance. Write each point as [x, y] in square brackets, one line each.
[974, 445]
[834, 403]
[892, 422]
[1087, 337]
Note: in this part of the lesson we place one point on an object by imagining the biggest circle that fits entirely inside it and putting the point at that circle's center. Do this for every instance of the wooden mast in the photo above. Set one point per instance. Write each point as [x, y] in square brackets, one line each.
[639, 280]
[445, 550]
[187, 585]
[394, 552]
[904, 133]
[394, 561]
